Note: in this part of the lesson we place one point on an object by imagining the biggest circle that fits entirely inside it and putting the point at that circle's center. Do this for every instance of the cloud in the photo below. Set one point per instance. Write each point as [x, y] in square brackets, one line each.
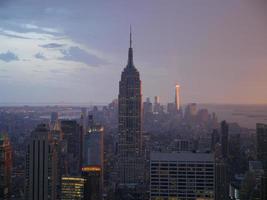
[40, 56]
[79, 55]
[4, 76]
[52, 45]
[31, 27]
[8, 56]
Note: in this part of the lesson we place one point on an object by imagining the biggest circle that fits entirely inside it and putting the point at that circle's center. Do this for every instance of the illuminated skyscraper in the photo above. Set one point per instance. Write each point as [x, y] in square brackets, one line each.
[130, 120]
[5, 167]
[177, 97]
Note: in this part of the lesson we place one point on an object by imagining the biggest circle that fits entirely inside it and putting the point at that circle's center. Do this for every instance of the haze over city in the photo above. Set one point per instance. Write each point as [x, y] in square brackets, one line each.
[74, 51]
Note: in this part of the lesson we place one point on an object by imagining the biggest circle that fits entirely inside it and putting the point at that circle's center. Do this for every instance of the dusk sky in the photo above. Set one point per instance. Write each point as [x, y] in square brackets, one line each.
[73, 51]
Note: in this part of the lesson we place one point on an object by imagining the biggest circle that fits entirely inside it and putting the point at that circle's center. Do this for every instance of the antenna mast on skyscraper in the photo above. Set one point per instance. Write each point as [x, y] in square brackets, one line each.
[130, 36]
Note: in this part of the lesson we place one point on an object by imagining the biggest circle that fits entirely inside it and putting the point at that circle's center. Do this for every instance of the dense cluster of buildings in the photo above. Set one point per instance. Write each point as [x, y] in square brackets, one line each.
[148, 151]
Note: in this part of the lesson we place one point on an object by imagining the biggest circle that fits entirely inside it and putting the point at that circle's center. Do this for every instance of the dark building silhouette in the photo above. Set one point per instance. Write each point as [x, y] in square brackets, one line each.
[5, 167]
[263, 192]
[148, 108]
[42, 175]
[262, 144]
[92, 176]
[262, 156]
[224, 139]
[72, 136]
[215, 139]
[221, 181]
[130, 123]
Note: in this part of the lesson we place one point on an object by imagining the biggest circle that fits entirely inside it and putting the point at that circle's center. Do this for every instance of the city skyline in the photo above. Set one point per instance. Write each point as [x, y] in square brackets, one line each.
[181, 116]
[48, 50]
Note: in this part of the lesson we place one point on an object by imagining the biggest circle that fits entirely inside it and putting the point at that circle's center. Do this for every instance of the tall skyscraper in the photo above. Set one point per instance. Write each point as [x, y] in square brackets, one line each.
[224, 139]
[262, 155]
[262, 144]
[54, 121]
[147, 107]
[156, 108]
[93, 153]
[190, 112]
[130, 123]
[72, 136]
[54, 117]
[42, 179]
[177, 97]
[83, 121]
[215, 139]
[221, 180]
[5, 167]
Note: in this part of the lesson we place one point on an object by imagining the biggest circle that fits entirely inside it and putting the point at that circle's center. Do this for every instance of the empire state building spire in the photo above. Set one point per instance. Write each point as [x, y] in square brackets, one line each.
[130, 52]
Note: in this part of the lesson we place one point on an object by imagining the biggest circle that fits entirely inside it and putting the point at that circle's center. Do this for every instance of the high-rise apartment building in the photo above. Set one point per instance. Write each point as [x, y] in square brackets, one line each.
[5, 166]
[130, 124]
[183, 176]
[42, 175]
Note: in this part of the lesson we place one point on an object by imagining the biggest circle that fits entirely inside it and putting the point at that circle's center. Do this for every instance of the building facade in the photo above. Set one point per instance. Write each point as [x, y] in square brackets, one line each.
[225, 139]
[72, 188]
[93, 152]
[5, 166]
[72, 137]
[262, 144]
[130, 124]
[182, 176]
[262, 156]
[42, 176]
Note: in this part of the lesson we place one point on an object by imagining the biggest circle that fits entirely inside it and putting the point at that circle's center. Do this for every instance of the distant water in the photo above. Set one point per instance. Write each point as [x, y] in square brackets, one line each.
[245, 115]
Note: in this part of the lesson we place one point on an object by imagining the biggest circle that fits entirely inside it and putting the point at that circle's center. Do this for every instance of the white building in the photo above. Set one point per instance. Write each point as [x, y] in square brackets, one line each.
[182, 176]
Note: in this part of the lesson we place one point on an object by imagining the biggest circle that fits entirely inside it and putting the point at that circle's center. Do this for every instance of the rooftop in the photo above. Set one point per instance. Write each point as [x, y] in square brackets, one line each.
[183, 156]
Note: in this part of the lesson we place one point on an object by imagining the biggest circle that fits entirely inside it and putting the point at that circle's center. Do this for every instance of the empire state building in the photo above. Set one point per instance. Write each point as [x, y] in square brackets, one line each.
[130, 123]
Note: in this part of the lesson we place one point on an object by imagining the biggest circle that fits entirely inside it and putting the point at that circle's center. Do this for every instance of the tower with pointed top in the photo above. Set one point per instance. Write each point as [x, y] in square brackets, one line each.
[130, 124]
